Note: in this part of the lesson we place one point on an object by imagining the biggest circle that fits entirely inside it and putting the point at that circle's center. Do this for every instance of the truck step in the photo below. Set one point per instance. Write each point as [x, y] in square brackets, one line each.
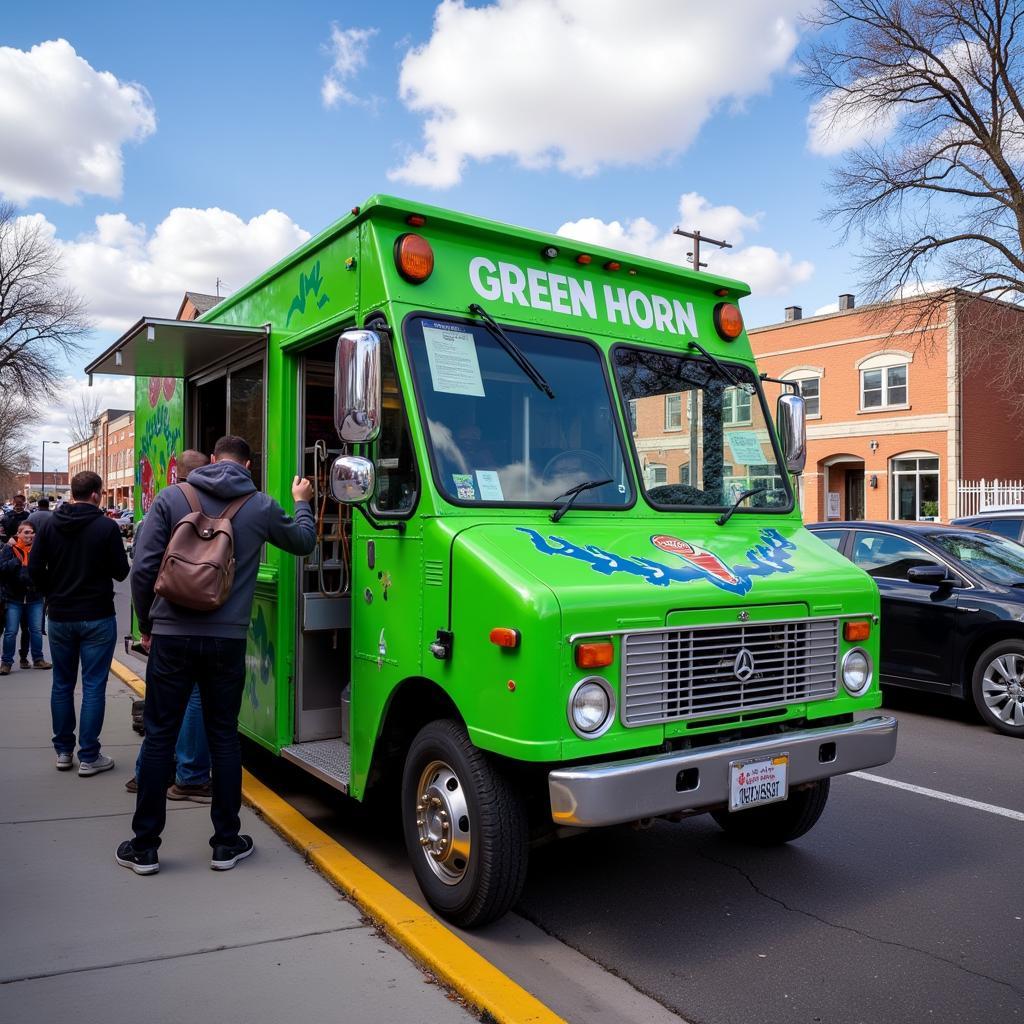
[328, 760]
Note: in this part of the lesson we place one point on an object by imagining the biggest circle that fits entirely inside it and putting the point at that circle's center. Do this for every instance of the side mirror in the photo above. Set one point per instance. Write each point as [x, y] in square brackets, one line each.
[791, 422]
[357, 393]
[352, 480]
[932, 575]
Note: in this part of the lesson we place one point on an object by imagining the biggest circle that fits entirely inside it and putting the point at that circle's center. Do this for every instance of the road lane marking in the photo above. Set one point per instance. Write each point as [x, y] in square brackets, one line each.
[950, 798]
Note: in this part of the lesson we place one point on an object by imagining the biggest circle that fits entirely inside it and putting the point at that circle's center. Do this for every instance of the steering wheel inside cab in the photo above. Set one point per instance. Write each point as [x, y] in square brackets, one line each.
[574, 466]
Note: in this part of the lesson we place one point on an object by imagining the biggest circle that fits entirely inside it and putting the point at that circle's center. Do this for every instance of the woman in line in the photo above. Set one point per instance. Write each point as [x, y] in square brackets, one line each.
[23, 600]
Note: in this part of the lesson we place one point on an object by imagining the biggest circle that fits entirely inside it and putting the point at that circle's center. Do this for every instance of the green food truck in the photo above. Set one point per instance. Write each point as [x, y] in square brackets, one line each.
[561, 579]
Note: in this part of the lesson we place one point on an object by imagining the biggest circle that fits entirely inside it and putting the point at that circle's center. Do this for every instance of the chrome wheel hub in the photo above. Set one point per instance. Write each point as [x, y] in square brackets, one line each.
[1002, 686]
[442, 822]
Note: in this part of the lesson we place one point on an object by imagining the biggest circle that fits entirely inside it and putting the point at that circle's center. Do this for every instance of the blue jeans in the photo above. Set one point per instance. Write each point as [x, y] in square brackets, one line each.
[93, 644]
[17, 612]
[191, 752]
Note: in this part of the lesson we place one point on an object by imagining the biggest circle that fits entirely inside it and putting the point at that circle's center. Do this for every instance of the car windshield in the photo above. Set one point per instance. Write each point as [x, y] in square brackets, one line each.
[496, 437]
[701, 441]
[993, 558]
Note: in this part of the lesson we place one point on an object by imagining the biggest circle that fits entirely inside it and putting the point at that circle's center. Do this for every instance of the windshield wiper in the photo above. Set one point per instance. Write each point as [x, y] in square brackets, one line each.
[572, 494]
[723, 370]
[727, 515]
[515, 352]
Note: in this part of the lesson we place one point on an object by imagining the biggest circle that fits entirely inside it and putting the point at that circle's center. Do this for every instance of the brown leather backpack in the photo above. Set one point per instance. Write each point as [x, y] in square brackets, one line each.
[198, 567]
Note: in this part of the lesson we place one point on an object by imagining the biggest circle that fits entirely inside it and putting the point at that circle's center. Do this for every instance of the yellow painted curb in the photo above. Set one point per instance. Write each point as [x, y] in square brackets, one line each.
[425, 938]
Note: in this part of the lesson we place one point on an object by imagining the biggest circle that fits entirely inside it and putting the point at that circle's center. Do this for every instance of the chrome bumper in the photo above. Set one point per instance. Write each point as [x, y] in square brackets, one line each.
[687, 780]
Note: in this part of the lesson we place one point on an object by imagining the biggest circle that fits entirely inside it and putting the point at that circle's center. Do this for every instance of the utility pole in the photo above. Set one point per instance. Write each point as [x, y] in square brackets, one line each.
[697, 237]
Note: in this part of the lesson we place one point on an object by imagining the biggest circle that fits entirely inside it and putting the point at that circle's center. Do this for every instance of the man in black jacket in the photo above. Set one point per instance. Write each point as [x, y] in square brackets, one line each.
[77, 555]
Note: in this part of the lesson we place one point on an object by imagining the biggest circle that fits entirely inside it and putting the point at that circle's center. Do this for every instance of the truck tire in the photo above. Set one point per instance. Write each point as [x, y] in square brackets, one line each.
[464, 825]
[777, 823]
[998, 687]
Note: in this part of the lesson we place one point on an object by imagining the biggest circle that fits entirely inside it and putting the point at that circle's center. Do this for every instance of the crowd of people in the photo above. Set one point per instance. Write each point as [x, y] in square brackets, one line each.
[58, 571]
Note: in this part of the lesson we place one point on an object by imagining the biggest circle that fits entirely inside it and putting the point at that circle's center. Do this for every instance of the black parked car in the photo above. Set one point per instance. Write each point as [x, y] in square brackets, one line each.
[952, 610]
[1008, 522]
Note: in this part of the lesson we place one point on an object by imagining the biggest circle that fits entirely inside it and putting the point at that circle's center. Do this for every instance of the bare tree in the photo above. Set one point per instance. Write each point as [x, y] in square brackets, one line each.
[934, 194]
[42, 319]
[84, 409]
[15, 419]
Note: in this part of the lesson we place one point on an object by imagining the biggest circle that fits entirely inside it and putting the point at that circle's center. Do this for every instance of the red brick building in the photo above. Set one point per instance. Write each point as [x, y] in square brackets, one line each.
[110, 451]
[34, 485]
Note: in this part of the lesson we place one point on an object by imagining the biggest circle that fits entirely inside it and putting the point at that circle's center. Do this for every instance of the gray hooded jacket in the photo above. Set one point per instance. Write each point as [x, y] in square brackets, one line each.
[260, 519]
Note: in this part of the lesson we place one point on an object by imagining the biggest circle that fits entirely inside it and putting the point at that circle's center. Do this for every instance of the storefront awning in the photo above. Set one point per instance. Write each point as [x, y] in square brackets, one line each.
[173, 348]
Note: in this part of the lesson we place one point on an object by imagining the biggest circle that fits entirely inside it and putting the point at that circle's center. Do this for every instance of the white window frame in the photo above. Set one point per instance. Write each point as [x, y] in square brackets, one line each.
[730, 416]
[916, 473]
[677, 396]
[884, 362]
[649, 473]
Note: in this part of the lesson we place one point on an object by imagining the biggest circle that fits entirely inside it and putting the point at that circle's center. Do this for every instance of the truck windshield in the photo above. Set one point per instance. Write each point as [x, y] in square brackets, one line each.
[495, 438]
[700, 441]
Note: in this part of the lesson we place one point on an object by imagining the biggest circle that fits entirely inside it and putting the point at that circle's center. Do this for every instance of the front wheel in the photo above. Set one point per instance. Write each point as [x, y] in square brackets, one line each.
[777, 823]
[464, 826]
[998, 687]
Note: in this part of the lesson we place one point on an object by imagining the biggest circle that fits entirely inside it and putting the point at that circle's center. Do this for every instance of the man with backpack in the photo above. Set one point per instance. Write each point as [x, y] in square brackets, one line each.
[193, 582]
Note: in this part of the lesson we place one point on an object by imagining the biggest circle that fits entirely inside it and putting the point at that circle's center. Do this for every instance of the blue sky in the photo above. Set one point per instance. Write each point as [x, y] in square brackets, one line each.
[209, 139]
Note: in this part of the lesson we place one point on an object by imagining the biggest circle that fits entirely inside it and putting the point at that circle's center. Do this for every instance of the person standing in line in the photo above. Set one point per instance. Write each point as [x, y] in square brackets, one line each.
[186, 644]
[24, 602]
[191, 752]
[42, 512]
[77, 555]
[9, 524]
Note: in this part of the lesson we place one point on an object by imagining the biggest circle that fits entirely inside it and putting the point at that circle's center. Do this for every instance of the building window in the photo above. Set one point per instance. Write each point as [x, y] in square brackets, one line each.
[656, 474]
[735, 406]
[684, 473]
[915, 487]
[880, 388]
[810, 388]
[674, 411]
[632, 415]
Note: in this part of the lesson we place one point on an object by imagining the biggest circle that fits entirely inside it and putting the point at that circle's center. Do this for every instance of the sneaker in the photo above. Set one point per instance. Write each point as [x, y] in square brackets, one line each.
[42, 663]
[24, 662]
[101, 764]
[5, 670]
[199, 793]
[132, 785]
[64, 762]
[226, 857]
[142, 862]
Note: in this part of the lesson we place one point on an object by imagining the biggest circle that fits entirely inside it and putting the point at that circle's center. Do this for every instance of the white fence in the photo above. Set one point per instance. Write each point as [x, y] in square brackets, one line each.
[974, 496]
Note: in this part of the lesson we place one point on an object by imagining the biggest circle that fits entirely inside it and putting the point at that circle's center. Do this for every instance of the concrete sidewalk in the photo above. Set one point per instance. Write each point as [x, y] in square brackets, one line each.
[83, 938]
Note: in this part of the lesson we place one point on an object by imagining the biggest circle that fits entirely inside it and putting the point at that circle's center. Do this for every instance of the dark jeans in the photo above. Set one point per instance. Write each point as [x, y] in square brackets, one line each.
[176, 664]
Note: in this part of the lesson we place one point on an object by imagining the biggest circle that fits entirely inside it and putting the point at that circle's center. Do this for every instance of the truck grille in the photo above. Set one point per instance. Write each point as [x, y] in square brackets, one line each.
[714, 670]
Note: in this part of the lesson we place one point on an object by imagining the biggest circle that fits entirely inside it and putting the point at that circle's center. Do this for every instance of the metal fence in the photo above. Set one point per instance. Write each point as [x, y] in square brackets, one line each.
[974, 496]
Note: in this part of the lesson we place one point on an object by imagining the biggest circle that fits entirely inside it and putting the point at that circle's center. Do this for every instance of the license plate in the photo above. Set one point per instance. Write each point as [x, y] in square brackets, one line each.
[757, 781]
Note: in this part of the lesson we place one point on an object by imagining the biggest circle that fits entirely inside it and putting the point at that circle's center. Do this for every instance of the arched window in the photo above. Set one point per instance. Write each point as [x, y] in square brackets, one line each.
[809, 379]
[884, 380]
[915, 485]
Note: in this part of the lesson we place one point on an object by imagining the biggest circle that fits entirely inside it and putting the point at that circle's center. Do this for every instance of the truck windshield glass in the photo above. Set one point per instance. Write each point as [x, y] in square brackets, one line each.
[700, 441]
[495, 438]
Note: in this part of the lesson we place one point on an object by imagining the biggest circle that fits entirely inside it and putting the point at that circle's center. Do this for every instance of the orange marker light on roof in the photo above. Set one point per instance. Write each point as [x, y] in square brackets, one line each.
[584, 258]
[503, 636]
[613, 265]
[857, 630]
[728, 321]
[414, 258]
[416, 220]
[595, 655]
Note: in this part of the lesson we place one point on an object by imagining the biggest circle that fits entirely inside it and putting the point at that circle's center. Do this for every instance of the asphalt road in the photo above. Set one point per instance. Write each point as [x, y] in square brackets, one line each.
[897, 907]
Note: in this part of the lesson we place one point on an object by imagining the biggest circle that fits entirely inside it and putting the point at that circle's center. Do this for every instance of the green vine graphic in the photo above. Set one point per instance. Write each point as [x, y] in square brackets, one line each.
[308, 285]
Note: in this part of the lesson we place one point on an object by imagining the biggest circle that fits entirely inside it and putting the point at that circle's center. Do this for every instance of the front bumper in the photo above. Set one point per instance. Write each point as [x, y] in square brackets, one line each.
[646, 787]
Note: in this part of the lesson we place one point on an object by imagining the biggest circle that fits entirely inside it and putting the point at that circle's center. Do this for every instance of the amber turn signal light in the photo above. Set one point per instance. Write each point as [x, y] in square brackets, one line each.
[728, 321]
[414, 258]
[502, 636]
[595, 655]
[859, 630]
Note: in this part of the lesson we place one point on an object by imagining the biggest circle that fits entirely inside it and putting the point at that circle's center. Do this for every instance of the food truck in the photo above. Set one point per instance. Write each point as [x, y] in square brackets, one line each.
[561, 579]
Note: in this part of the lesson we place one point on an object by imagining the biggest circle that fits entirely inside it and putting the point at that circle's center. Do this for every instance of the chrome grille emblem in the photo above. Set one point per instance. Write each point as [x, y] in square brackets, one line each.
[744, 616]
[743, 666]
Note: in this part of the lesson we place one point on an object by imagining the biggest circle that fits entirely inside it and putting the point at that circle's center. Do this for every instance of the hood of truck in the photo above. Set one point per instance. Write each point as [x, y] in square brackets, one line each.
[611, 575]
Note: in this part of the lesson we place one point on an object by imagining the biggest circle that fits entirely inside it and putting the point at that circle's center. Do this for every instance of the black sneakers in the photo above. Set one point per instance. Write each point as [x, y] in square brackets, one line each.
[226, 857]
[142, 862]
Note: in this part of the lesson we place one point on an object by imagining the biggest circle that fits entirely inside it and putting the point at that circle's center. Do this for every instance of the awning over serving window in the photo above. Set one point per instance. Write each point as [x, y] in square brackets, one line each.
[173, 348]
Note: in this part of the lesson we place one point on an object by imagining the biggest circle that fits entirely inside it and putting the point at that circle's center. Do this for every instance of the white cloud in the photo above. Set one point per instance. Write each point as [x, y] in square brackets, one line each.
[583, 83]
[125, 272]
[65, 124]
[767, 271]
[348, 53]
[112, 393]
[834, 125]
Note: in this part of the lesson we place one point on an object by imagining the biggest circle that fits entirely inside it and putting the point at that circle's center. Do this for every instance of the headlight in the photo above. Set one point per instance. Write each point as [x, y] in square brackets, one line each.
[856, 672]
[591, 704]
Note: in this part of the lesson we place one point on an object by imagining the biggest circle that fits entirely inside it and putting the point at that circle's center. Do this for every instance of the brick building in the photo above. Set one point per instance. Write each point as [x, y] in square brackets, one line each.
[110, 451]
[898, 410]
[33, 485]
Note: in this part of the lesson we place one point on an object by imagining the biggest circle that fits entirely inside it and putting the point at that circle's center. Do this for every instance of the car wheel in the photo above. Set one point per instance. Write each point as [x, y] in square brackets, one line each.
[777, 823]
[998, 687]
[464, 826]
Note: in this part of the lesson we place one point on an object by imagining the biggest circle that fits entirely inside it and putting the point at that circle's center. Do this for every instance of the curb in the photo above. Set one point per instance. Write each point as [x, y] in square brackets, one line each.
[421, 935]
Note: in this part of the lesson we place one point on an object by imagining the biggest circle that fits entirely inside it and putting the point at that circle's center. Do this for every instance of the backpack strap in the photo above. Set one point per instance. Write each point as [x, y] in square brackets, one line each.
[235, 506]
[190, 496]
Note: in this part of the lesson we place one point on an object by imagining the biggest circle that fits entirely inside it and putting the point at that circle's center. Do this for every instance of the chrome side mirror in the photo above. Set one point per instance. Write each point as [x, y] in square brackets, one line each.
[791, 422]
[352, 480]
[357, 392]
